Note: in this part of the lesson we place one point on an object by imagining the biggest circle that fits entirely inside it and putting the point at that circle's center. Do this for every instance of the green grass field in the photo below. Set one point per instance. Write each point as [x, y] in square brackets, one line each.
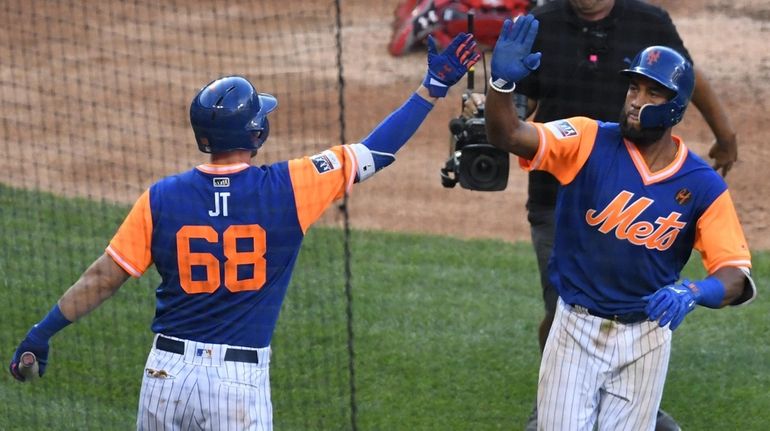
[445, 334]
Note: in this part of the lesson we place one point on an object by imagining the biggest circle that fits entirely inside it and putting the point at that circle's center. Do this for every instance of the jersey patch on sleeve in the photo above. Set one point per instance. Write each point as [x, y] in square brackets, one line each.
[562, 129]
[325, 162]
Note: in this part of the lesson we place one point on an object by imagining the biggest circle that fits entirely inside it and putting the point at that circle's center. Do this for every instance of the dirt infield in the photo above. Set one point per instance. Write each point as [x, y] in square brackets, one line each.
[97, 96]
[725, 40]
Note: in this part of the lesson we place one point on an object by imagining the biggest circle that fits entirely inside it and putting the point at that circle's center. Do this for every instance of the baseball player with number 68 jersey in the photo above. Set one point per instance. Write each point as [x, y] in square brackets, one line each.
[634, 203]
[224, 237]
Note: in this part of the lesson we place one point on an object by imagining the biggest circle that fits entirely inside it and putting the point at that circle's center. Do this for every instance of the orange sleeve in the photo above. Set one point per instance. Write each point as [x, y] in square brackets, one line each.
[719, 236]
[320, 180]
[130, 247]
[564, 147]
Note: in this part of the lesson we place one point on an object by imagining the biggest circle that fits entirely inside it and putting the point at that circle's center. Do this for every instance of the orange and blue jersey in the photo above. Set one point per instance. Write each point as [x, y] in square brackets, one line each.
[225, 238]
[622, 231]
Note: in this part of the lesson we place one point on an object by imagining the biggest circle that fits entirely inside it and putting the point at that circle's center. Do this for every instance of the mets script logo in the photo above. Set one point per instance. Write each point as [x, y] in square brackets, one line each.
[621, 215]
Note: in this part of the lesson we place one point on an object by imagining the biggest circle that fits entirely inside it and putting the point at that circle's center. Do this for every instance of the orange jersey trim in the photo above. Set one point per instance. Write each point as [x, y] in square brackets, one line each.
[649, 177]
[123, 262]
[211, 168]
[316, 186]
[564, 147]
[130, 247]
[719, 236]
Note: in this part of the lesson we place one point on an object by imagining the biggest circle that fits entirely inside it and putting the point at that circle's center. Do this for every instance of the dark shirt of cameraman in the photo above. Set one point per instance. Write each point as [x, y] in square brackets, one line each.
[585, 44]
[580, 75]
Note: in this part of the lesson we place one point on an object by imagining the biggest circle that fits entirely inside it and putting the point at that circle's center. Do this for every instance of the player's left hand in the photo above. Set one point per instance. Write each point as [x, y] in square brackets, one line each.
[29, 344]
[448, 67]
[512, 58]
[670, 304]
[725, 154]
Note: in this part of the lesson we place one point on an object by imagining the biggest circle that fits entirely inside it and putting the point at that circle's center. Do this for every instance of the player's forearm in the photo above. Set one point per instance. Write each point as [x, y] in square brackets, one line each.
[500, 119]
[734, 282]
[504, 129]
[100, 281]
[396, 129]
[705, 99]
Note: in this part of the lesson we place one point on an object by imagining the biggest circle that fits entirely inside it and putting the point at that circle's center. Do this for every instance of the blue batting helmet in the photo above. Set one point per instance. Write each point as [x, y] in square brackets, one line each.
[228, 114]
[671, 70]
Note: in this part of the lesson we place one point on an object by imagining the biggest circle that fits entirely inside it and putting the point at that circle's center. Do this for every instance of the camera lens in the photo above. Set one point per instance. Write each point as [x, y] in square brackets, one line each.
[483, 169]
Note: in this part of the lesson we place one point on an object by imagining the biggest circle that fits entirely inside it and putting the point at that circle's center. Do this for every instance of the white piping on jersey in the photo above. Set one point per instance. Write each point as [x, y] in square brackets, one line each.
[353, 167]
[738, 263]
[752, 285]
[650, 177]
[365, 166]
[222, 169]
[123, 263]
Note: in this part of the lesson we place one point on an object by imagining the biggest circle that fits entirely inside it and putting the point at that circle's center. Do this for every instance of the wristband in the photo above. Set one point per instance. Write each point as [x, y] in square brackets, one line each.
[708, 292]
[435, 87]
[499, 85]
[52, 323]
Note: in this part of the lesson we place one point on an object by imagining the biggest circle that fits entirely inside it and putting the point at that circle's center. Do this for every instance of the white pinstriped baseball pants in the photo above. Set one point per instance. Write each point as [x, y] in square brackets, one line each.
[595, 370]
[199, 390]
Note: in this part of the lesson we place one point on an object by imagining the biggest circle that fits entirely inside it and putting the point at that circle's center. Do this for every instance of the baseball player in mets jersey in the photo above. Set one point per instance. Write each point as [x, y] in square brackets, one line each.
[224, 237]
[633, 205]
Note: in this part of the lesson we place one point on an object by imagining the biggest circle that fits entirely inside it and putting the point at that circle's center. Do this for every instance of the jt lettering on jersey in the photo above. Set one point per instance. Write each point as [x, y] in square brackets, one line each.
[621, 215]
[216, 212]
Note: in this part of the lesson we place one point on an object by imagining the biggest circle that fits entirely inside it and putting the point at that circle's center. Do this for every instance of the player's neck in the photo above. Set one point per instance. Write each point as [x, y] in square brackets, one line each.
[659, 154]
[231, 157]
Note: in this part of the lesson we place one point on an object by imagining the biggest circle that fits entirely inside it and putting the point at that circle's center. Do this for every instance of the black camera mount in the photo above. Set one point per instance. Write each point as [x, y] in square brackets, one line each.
[473, 162]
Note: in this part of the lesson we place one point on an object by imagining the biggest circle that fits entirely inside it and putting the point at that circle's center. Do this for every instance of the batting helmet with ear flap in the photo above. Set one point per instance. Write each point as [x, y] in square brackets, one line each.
[671, 70]
[228, 114]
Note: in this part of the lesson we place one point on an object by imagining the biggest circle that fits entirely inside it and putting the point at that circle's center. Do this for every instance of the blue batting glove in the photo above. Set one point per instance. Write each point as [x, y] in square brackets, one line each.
[448, 67]
[31, 343]
[37, 339]
[670, 304]
[512, 58]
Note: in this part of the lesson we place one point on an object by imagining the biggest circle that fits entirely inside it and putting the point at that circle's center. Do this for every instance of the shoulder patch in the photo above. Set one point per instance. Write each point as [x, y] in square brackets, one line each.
[562, 129]
[325, 162]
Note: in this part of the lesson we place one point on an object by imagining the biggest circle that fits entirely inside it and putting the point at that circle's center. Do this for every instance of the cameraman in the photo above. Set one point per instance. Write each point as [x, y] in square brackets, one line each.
[584, 43]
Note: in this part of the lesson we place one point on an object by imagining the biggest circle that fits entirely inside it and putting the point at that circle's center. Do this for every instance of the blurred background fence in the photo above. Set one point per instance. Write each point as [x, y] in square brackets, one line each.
[95, 99]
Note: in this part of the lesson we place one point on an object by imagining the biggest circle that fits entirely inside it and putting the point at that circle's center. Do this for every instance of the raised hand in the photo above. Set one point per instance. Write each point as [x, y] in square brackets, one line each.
[725, 154]
[447, 68]
[512, 58]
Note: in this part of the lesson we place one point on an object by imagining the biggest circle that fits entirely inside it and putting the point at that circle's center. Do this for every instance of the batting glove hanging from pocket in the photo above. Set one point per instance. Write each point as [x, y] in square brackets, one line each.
[448, 67]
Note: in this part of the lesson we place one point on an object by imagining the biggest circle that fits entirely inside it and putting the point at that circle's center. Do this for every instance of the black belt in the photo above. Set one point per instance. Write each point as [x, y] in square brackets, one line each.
[626, 318]
[232, 355]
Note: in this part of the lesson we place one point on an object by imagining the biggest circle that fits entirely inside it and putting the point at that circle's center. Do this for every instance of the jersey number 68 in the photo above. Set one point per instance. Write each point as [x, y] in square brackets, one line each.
[233, 258]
